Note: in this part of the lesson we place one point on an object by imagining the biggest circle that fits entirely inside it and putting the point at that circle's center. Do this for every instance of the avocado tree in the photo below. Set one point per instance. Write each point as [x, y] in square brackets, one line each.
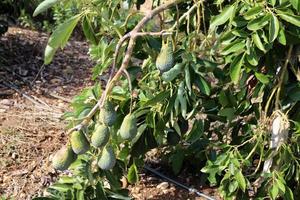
[216, 81]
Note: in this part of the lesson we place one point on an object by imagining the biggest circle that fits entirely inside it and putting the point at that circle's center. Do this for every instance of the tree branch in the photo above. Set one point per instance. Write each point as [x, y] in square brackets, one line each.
[132, 36]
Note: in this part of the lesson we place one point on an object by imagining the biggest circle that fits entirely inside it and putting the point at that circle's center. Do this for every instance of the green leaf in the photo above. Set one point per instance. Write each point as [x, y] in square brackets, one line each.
[233, 47]
[44, 6]
[258, 23]
[49, 54]
[257, 41]
[60, 37]
[288, 195]
[272, 2]
[133, 176]
[252, 58]
[228, 113]
[235, 68]
[223, 17]
[233, 186]
[294, 93]
[273, 28]
[80, 195]
[177, 161]
[196, 132]
[61, 187]
[157, 99]
[112, 179]
[262, 78]
[252, 12]
[63, 32]
[273, 191]
[280, 185]
[281, 37]
[293, 19]
[88, 30]
[100, 193]
[241, 180]
[296, 4]
[204, 86]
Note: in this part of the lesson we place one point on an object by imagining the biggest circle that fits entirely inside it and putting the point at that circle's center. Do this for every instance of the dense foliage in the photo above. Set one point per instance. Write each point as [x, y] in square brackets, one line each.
[224, 90]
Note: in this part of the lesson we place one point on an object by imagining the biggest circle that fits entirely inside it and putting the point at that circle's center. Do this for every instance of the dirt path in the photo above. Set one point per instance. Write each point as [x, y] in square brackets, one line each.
[31, 125]
[33, 99]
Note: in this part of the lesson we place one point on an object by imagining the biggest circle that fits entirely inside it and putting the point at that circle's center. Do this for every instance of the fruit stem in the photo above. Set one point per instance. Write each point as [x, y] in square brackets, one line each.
[287, 60]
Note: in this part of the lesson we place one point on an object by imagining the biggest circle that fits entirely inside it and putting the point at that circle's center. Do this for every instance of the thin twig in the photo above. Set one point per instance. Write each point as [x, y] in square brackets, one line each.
[130, 87]
[185, 15]
[60, 97]
[287, 60]
[40, 105]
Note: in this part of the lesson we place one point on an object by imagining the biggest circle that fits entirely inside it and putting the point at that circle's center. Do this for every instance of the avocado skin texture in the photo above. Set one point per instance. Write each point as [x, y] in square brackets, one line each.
[165, 58]
[63, 158]
[108, 159]
[128, 129]
[107, 114]
[100, 136]
[79, 143]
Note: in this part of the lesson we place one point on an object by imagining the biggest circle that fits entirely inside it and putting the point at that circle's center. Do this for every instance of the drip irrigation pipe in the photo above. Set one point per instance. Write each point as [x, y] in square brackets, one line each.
[192, 190]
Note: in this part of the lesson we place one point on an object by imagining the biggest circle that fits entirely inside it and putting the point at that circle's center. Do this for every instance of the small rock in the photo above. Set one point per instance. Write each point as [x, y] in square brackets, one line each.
[55, 81]
[14, 155]
[172, 188]
[151, 178]
[165, 191]
[60, 104]
[6, 102]
[163, 185]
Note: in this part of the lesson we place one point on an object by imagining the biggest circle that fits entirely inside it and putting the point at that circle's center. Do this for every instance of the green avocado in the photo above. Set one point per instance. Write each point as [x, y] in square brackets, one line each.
[79, 142]
[128, 129]
[108, 159]
[108, 114]
[165, 58]
[100, 136]
[170, 75]
[63, 158]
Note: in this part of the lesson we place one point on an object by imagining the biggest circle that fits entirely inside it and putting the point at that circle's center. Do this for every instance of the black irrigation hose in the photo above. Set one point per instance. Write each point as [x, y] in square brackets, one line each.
[192, 190]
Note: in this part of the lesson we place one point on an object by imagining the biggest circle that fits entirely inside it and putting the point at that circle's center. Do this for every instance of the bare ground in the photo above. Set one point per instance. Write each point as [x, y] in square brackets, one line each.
[33, 99]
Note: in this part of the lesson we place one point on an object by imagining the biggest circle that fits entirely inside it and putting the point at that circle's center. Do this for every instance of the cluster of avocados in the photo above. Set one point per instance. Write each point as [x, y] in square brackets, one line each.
[79, 143]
